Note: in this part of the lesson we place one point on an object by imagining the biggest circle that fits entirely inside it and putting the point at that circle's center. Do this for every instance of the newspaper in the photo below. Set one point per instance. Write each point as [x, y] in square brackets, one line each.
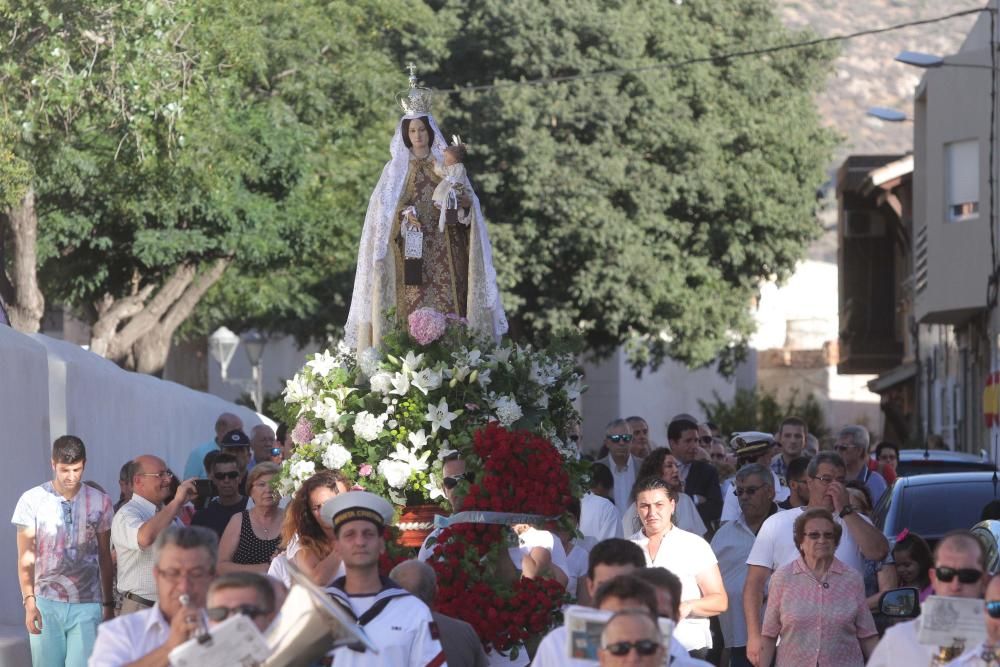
[235, 642]
[945, 621]
[584, 626]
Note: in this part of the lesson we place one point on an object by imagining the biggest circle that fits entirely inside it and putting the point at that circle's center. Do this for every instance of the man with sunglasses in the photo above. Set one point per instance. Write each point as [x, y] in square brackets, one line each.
[700, 478]
[774, 545]
[217, 513]
[621, 463]
[975, 657]
[632, 637]
[246, 593]
[754, 489]
[453, 474]
[641, 446]
[64, 560]
[852, 445]
[959, 571]
[137, 525]
[753, 447]
[183, 567]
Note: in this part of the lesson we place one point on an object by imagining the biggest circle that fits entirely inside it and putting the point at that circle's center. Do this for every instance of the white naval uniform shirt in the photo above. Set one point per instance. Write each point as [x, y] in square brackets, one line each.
[404, 630]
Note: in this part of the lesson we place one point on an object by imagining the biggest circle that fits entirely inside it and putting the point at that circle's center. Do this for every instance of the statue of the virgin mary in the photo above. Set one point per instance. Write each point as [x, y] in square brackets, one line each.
[454, 273]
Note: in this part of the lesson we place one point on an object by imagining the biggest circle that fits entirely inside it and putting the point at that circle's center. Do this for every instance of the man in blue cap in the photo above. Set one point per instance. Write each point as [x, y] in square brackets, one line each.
[398, 623]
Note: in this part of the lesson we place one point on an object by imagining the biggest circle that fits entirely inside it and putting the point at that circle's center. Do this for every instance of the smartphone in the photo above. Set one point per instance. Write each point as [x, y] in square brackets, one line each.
[204, 488]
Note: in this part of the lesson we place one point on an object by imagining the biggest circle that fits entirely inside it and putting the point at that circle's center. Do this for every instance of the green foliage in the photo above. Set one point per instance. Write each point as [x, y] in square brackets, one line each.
[15, 173]
[755, 410]
[646, 205]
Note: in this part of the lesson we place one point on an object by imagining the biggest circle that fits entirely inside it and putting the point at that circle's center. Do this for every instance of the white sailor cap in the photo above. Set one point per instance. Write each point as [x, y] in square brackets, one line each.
[751, 443]
[355, 505]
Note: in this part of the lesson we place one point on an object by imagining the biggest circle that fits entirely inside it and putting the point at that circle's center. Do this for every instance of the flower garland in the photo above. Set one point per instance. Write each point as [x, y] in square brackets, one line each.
[386, 417]
[520, 473]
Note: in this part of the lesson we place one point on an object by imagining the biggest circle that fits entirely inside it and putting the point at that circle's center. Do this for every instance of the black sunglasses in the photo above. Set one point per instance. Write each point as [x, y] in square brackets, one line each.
[642, 647]
[619, 438]
[219, 614]
[966, 575]
[233, 474]
[451, 482]
[993, 608]
[574, 438]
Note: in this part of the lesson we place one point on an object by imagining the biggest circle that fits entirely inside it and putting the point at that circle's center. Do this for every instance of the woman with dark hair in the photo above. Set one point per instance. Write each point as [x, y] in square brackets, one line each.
[307, 539]
[661, 463]
[405, 261]
[686, 555]
[817, 603]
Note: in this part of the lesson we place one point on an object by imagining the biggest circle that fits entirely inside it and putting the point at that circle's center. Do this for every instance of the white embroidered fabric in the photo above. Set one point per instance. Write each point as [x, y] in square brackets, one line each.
[375, 280]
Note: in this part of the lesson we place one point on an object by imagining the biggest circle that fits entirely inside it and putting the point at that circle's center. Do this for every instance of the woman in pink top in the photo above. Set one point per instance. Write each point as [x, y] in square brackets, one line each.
[816, 604]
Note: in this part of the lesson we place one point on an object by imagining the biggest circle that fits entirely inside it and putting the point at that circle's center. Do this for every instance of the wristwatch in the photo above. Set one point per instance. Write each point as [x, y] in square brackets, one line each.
[847, 510]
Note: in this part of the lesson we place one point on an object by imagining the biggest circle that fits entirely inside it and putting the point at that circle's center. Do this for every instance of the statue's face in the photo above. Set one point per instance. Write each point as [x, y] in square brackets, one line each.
[417, 133]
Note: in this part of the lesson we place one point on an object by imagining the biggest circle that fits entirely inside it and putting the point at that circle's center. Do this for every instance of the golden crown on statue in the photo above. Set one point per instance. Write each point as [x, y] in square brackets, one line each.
[417, 100]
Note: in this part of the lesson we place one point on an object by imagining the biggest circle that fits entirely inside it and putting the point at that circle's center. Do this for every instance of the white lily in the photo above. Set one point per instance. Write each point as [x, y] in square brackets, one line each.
[322, 363]
[342, 393]
[415, 463]
[411, 362]
[400, 384]
[439, 416]
[297, 390]
[426, 380]
[418, 439]
[327, 410]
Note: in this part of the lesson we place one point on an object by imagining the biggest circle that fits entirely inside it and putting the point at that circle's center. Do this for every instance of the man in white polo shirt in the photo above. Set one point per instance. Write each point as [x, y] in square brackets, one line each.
[775, 545]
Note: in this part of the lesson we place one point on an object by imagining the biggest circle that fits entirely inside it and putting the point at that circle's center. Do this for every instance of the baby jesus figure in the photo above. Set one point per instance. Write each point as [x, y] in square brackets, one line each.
[452, 183]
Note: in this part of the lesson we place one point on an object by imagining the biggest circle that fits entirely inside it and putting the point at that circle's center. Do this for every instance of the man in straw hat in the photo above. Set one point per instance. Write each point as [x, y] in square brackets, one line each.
[398, 623]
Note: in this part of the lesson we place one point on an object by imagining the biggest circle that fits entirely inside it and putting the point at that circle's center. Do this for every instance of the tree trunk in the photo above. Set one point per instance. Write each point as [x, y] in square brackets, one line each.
[20, 290]
[142, 343]
[150, 351]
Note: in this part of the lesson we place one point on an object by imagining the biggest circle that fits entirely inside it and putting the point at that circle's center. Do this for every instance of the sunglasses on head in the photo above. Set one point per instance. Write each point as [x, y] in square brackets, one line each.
[966, 575]
[451, 482]
[625, 437]
[219, 614]
[232, 474]
[993, 608]
[642, 647]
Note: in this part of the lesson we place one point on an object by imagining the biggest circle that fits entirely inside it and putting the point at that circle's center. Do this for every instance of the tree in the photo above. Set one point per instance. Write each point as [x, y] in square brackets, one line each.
[644, 206]
[173, 141]
[758, 410]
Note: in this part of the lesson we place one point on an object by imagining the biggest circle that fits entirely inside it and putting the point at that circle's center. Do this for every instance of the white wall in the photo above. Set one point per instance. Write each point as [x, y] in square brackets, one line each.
[49, 388]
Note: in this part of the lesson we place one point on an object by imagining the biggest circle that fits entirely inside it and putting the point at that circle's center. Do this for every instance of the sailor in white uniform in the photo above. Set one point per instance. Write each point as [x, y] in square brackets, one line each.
[398, 623]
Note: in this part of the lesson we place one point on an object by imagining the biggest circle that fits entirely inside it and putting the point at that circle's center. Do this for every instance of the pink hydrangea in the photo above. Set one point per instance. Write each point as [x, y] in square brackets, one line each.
[365, 470]
[426, 325]
[302, 434]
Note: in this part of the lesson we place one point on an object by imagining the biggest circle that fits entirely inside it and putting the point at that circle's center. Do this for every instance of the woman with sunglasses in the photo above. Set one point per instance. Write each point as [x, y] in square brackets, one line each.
[307, 539]
[817, 596]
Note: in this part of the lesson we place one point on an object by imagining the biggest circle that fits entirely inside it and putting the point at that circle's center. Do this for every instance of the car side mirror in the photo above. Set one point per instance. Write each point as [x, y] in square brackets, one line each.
[900, 603]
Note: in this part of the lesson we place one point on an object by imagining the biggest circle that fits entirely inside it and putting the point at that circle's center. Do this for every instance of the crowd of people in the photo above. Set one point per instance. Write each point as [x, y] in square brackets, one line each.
[760, 549]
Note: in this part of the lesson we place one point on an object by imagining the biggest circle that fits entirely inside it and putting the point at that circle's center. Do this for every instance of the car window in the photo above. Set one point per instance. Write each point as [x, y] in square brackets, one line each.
[934, 509]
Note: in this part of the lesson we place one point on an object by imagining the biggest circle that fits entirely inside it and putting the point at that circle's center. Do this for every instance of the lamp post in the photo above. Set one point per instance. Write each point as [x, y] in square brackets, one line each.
[888, 115]
[254, 342]
[222, 346]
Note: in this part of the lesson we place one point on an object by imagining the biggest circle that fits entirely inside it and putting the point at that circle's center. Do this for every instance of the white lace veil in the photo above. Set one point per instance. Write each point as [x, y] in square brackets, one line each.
[375, 280]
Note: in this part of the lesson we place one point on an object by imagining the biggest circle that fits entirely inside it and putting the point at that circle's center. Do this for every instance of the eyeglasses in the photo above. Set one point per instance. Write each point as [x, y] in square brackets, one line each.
[826, 479]
[275, 451]
[624, 437]
[966, 575]
[219, 614]
[232, 474]
[814, 536]
[843, 448]
[173, 576]
[67, 510]
[993, 608]
[166, 474]
[705, 440]
[453, 481]
[642, 647]
[746, 490]
[574, 438]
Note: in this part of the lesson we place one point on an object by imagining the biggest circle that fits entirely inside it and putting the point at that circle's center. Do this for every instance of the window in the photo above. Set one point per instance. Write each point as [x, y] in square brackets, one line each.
[962, 186]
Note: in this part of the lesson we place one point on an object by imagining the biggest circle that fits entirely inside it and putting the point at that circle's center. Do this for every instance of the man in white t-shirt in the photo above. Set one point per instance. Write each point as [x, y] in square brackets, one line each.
[775, 544]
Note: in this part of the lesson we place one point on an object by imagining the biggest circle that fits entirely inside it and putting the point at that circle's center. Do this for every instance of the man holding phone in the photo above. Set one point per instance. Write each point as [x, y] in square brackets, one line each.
[225, 473]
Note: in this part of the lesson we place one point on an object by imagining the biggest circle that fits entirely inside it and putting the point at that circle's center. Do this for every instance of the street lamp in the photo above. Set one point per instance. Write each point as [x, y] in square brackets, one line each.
[931, 61]
[888, 115]
[222, 346]
[254, 342]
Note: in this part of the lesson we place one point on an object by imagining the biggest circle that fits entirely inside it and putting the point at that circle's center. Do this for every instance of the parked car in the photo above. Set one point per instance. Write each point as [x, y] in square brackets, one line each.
[926, 461]
[932, 505]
